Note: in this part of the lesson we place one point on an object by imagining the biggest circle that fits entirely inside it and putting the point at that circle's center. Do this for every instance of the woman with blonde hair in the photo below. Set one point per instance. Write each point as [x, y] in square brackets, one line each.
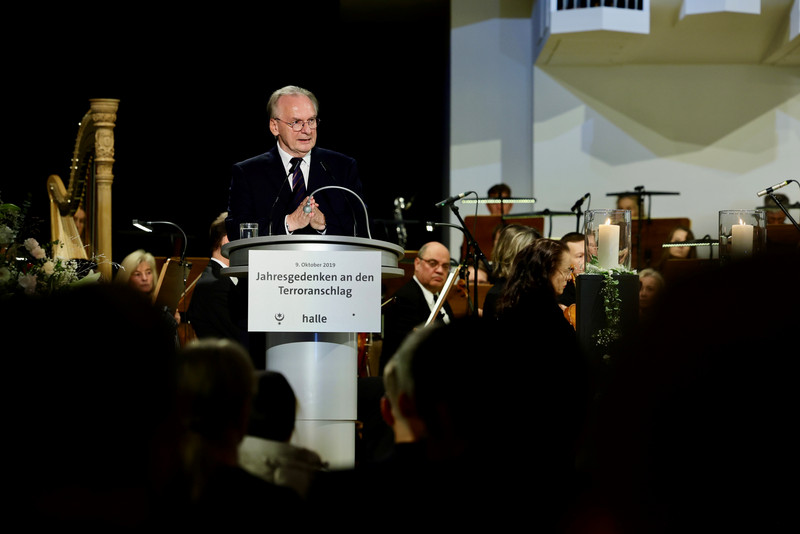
[138, 270]
[511, 240]
[651, 286]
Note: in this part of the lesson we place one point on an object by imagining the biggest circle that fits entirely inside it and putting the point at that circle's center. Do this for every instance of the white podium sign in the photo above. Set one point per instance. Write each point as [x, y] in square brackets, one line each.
[314, 291]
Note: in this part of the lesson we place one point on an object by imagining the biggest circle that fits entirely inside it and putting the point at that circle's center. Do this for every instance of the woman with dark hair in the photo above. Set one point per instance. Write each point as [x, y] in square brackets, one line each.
[547, 351]
[539, 274]
[679, 234]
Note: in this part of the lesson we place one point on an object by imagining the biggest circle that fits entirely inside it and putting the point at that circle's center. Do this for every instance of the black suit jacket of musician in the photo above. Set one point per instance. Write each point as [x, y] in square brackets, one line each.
[408, 310]
[260, 192]
[214, 305]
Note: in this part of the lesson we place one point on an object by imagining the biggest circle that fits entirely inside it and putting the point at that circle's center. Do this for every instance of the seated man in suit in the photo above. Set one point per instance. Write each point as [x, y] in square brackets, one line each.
[414, 301]
[576, 242]
[214, 296]
[277, 189]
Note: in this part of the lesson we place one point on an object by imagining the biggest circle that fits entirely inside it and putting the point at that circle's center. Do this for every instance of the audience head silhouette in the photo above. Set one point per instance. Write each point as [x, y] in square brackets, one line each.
[101, 392]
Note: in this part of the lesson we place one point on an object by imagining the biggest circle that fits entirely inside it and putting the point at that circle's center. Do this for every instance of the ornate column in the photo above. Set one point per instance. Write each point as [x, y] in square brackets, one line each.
[104, 115]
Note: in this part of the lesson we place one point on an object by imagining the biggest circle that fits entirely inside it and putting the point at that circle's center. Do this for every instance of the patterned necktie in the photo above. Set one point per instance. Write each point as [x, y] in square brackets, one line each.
[298, 182]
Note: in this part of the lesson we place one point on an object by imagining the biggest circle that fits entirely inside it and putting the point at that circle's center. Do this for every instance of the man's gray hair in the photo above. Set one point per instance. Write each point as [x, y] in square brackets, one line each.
[272, 105]
[398, 376]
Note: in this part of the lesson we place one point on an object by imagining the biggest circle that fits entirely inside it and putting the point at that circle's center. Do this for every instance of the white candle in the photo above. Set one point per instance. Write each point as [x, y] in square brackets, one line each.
[741, 240]
[608, 245]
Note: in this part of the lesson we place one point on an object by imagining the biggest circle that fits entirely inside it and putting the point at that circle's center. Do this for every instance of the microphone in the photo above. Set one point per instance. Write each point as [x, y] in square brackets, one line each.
[278, 196]
[769, 190]
[579, 202]
[451, 200]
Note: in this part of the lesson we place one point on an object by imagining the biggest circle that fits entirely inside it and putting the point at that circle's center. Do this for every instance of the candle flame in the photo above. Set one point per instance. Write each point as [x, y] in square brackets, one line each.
[608, 220]
[741, 221]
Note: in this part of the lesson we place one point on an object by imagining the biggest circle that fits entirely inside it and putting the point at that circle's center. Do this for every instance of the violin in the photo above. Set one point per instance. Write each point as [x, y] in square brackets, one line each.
[570, 316]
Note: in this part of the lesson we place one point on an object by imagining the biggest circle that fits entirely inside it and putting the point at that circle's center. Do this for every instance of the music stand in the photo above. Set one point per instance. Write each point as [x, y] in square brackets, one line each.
[546, 213]
[171, 284]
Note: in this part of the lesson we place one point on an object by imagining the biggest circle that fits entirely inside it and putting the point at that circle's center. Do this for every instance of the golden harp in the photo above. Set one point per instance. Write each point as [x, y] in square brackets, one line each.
[88, 195]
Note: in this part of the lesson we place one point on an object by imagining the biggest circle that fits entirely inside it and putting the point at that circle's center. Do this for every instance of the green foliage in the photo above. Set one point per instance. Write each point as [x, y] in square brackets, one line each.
[612, 303]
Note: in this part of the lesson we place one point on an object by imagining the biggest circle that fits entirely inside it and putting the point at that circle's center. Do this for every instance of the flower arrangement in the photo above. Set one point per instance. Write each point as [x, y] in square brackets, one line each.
[25, 266]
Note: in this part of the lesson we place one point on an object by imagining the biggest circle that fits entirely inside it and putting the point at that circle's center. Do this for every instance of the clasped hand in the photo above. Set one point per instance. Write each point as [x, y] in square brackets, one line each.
[300, 219]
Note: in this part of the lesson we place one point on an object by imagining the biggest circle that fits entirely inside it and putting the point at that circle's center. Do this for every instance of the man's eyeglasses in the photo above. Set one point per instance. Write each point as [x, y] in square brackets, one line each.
[298, 125]
[434, 264]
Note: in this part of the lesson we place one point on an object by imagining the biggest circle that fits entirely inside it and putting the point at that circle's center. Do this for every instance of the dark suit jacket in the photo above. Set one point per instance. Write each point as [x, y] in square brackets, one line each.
[214, 304]
[260, 192]
[408, 310]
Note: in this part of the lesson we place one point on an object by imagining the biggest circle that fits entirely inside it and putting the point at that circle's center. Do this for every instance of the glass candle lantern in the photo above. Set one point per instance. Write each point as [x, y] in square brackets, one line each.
[608, 238]
[742, 233]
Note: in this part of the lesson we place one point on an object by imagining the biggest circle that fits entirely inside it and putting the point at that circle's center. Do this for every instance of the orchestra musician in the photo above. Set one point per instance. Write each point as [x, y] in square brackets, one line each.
[511, 240]
[678, 234]
[413, 303]
[499, 191]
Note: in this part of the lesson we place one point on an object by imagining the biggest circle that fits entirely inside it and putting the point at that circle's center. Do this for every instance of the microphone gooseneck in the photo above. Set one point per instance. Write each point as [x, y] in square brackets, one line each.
[352, 211]
[366, 215]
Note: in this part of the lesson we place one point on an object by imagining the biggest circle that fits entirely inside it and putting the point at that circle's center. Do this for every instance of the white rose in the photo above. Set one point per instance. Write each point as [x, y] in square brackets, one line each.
[33, 246]
[48, 267]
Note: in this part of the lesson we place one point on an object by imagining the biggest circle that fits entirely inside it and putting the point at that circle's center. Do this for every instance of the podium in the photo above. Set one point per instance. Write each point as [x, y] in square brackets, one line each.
[322, 367]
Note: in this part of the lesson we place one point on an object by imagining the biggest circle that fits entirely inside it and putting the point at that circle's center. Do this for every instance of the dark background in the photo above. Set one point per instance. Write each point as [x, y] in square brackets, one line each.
[193, 87]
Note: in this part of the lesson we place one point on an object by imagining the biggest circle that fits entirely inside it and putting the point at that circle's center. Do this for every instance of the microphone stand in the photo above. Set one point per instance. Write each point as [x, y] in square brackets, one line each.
[473, 250]
[578, 214]
[402, 235]
[784, 210]
[640, 205]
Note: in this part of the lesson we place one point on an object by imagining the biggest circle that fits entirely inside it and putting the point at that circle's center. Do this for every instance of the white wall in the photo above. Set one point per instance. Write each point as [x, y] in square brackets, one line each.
[491, 107]
[715, 134]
